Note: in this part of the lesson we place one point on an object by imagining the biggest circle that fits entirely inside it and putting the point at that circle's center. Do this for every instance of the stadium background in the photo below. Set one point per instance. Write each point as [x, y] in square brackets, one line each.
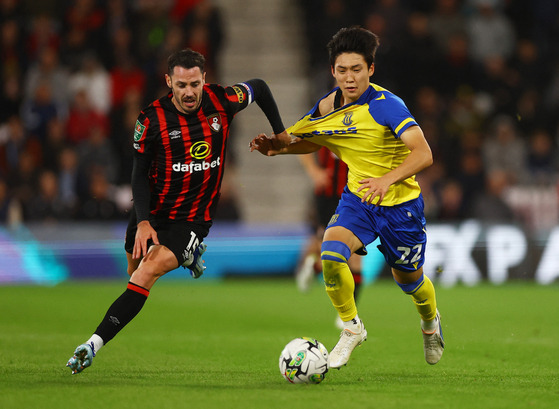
[480, 76]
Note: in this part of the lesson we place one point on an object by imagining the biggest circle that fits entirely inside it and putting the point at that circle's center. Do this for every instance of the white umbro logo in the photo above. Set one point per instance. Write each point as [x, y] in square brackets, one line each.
[175, 134]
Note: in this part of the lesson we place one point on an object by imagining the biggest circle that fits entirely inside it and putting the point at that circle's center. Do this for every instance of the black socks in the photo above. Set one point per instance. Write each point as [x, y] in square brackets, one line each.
[122, 311]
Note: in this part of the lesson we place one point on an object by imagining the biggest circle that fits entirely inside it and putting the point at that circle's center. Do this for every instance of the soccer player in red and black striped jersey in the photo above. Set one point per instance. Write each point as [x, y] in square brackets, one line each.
[329, 177]
[180, 145]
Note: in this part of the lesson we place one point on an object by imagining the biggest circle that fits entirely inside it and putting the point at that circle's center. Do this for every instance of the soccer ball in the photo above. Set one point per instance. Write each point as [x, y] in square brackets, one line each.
[304, 360]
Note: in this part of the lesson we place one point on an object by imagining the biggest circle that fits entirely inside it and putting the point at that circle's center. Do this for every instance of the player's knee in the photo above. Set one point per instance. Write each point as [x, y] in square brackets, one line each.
[333, 253]
[132, 266]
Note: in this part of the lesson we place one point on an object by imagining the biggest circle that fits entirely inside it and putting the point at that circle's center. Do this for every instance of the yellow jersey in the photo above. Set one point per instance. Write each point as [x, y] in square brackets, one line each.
[365, 134]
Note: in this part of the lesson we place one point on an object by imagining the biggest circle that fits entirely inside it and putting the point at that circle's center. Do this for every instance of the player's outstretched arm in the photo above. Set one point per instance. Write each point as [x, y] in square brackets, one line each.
[268, 146]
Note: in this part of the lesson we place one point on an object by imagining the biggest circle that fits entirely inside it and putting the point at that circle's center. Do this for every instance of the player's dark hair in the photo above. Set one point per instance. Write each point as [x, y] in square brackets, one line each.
[187, 59]
[353, 40]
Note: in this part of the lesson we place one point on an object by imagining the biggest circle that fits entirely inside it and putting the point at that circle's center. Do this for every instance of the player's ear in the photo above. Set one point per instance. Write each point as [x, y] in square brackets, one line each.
[203, 77]
[332, 71]
[371, 69]
[168, 80]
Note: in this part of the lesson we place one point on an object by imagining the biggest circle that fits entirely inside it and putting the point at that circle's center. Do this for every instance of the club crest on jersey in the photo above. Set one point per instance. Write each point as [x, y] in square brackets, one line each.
[347, 121]
[214, 121]
[139, 131]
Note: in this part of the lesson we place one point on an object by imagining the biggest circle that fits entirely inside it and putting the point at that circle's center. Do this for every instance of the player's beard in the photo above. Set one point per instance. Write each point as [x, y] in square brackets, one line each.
[190, 104]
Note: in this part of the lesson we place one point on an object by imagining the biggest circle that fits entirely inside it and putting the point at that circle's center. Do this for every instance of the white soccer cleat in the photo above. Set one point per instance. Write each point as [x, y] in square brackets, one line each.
[433, 342]
[349, 340]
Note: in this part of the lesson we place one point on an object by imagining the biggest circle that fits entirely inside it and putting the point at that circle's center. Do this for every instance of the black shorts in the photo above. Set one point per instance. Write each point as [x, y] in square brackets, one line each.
[181, 238]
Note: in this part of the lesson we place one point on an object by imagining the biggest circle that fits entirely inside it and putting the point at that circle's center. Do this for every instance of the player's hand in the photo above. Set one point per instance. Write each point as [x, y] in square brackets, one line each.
[265, 145]
[144, 233]
[376, 188]
[281, 140]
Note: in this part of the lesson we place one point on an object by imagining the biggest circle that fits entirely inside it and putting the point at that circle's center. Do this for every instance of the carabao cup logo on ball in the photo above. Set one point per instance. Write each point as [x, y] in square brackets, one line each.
[200, 150]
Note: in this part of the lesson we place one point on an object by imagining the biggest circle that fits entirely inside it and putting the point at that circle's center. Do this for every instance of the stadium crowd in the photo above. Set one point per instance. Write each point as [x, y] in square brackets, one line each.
[480, 76]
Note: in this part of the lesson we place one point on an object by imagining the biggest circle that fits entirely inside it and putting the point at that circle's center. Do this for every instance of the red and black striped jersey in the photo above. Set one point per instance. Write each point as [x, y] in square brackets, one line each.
[188, 151]
[336, 168]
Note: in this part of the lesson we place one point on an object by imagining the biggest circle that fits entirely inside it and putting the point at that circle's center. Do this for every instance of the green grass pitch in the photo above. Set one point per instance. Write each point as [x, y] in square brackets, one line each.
[205, 344]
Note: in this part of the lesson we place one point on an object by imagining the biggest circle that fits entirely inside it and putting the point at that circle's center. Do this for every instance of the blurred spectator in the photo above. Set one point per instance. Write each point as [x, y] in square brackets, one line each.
[451, 207]
[531, 112]
[446, 22]
[120, 50]
[394, 14]
[38, 111]
[95, 81]
[151, 22]
[43, 36]
[10, 98]
[542, 158]
[527, 65]
[490, 31]
[23, 180]
[497, 82]
[504, 150]
[457, 69]
[84, 119]
[72, 184]
[471, 175]
[46, 204]
[96, 152]
[12, 54]
[99, 205]
[83, 26]
[55, 142]
[491, 206]
[13, 143]
[126, 75]
[47, 70]
[463, 116]
[11, 9]
[118, 16]
[416, 44]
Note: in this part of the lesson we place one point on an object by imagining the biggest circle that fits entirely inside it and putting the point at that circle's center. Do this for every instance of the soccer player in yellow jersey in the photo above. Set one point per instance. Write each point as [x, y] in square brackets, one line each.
[373, 132]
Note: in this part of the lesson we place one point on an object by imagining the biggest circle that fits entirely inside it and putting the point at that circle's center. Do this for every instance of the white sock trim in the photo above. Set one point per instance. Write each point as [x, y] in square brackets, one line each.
[429, 326]
[97, 342]
[353, 324]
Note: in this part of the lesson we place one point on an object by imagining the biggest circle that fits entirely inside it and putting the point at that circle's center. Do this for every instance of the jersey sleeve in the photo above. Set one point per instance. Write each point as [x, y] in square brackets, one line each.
[391, 111]
[239, 96]
[258, 91]
[143, 134]
[144, 137]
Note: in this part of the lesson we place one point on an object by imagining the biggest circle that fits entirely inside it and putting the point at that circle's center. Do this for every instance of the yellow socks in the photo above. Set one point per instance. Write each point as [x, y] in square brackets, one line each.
[338, 278]
[423, 294]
